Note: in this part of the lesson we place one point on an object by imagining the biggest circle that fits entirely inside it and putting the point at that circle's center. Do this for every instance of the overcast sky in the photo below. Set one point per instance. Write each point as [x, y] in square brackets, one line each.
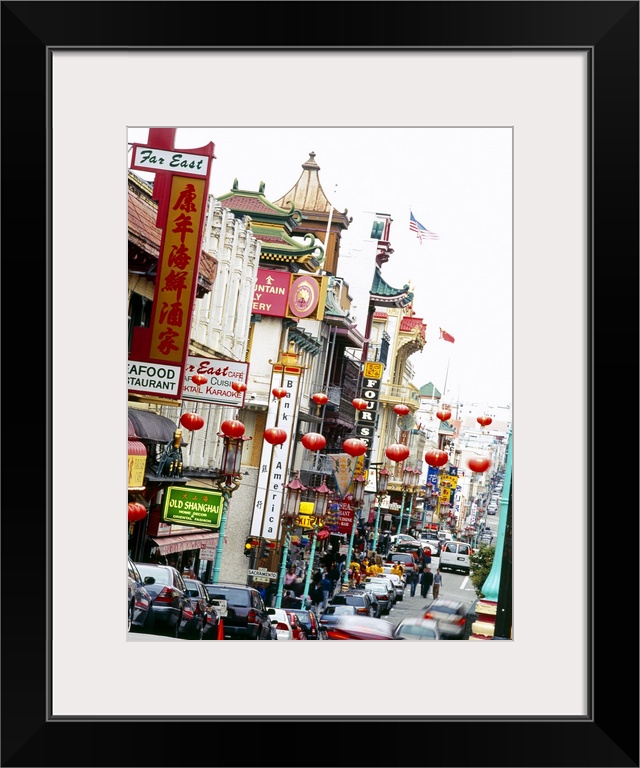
[457, 182]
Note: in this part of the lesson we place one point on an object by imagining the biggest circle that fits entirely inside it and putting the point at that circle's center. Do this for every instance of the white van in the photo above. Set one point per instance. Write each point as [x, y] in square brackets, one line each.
[455, 556]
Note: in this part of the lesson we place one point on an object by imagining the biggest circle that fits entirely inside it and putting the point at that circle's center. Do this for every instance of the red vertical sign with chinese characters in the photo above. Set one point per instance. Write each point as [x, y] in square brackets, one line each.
[158, 354]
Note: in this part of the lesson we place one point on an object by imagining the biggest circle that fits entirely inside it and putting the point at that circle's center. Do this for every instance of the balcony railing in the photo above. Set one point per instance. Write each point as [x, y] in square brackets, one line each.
[398, 394]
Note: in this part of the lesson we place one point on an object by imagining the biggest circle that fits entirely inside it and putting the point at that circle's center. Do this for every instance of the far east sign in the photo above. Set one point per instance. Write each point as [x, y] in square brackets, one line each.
[185, 505]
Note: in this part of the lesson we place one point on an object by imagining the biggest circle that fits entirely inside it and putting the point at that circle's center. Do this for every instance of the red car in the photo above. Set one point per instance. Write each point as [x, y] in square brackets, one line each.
[296, 626]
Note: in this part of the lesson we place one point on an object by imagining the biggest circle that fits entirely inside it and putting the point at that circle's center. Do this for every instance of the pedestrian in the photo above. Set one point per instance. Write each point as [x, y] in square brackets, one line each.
[270, 593]
[316, 594]
[437, 583]
[426, 580]
[290, 576]
[289, 600]
[414, 580]
[326, 584]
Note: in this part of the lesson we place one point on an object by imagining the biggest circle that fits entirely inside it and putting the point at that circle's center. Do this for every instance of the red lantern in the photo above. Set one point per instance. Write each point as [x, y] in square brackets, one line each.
[238, 386]
[320, 398]
[397, 452]
[479, 464]
[436, 458]
[401, 410]
[444, 415]
[232, 428]
[354, 447]
[199, 379]
[484, 420]
[279, 392]
[136, 511]
[191, 421]
[275, 435]
[314, 441]
[360, 404]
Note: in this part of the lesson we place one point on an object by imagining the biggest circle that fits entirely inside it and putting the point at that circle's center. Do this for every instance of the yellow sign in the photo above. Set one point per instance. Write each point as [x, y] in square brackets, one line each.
[136, 471]
[373, 370]
[451, 481]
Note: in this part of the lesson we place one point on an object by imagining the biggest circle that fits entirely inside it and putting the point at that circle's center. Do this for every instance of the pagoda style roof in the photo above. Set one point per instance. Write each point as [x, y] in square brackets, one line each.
[382, 294]
[429, 390]
[273, 227]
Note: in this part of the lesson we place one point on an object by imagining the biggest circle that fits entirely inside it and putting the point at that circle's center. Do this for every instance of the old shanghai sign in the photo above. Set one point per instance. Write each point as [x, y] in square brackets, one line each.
[186, 505]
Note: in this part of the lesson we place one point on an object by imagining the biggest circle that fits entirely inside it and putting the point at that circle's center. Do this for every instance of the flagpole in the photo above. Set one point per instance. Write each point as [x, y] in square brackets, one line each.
[446, 376]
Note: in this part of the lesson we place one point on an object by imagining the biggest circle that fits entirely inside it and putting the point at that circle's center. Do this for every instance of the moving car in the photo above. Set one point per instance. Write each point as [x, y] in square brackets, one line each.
[417, 629]
[382, 592]
[393, 595]
[360, 628]
[333, 612]
[139, 602]
[297, 630]
[247, 617]
[456, 556]
[401, 538]
[406, 559]
[451, 616]
[309, 621]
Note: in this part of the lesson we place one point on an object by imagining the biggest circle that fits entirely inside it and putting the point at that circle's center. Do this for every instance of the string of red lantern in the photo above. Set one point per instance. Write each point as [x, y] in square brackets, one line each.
[401, 409]
[444, 415]
[436, 458]
[199, 379]
[484, 420]
[479, 464]
[275, 435]
[359, 403]
[136, 511]
[279, 392]
[232, 428]
[238, 386]
[192, 421]
[354, 446]
[313, 441]
[319, 398]
[397, 452]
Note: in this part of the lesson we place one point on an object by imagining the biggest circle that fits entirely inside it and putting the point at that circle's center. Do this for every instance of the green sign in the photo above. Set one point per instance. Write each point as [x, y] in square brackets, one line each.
[185, 505]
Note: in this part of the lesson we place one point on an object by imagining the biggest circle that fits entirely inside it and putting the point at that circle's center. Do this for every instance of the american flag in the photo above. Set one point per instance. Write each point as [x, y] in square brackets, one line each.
[422, 232]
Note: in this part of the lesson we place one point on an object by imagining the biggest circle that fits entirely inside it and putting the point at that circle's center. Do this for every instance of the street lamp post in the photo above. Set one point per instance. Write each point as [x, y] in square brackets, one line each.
[228, 480]
[356, 502]
[407, 485]
[321, 503]
[289, 516]
[382, 483]
[415, 479]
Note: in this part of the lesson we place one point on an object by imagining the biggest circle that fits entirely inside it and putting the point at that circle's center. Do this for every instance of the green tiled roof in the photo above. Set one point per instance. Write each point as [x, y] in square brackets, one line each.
[429, 390]
[384, 294]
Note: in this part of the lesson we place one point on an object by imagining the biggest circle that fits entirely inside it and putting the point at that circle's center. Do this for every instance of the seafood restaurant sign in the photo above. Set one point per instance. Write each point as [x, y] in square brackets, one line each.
[158, 356]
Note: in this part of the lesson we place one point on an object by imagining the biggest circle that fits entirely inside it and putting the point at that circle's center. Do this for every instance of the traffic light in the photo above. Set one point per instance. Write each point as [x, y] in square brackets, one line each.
[266, 547]
[250, 545]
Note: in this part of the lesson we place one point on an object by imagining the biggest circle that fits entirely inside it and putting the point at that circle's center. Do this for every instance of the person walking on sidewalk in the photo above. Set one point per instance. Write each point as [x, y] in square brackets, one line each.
[437, 583]
[414, 580]
[426, 580]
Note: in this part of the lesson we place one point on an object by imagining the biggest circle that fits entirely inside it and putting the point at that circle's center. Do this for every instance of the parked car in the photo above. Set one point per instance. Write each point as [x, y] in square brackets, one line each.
[333, 612]
[360, 628]
[401, 538]
[309, 621]
[406, 559]
[298, 631]
[247, 617]
[399, 582]
[417, 629]
[360, 599]
[280, 619]
[382, 592]
[451, 616]
[393, 595]
[204, 612]
[171, 604]
[139, 602]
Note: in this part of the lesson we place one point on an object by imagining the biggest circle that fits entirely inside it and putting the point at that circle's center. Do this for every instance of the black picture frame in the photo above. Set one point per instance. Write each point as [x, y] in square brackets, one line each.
[609, 30]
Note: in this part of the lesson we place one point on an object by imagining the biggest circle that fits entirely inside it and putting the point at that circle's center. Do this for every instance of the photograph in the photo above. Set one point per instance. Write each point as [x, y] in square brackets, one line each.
[359, 290]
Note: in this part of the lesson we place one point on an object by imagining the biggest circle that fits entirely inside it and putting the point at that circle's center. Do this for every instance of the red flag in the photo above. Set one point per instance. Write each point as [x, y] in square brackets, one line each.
[446, 336]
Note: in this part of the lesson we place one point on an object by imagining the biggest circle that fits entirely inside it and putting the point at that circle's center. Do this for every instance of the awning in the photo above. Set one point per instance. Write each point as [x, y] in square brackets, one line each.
[151, 426]
[169, 544]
